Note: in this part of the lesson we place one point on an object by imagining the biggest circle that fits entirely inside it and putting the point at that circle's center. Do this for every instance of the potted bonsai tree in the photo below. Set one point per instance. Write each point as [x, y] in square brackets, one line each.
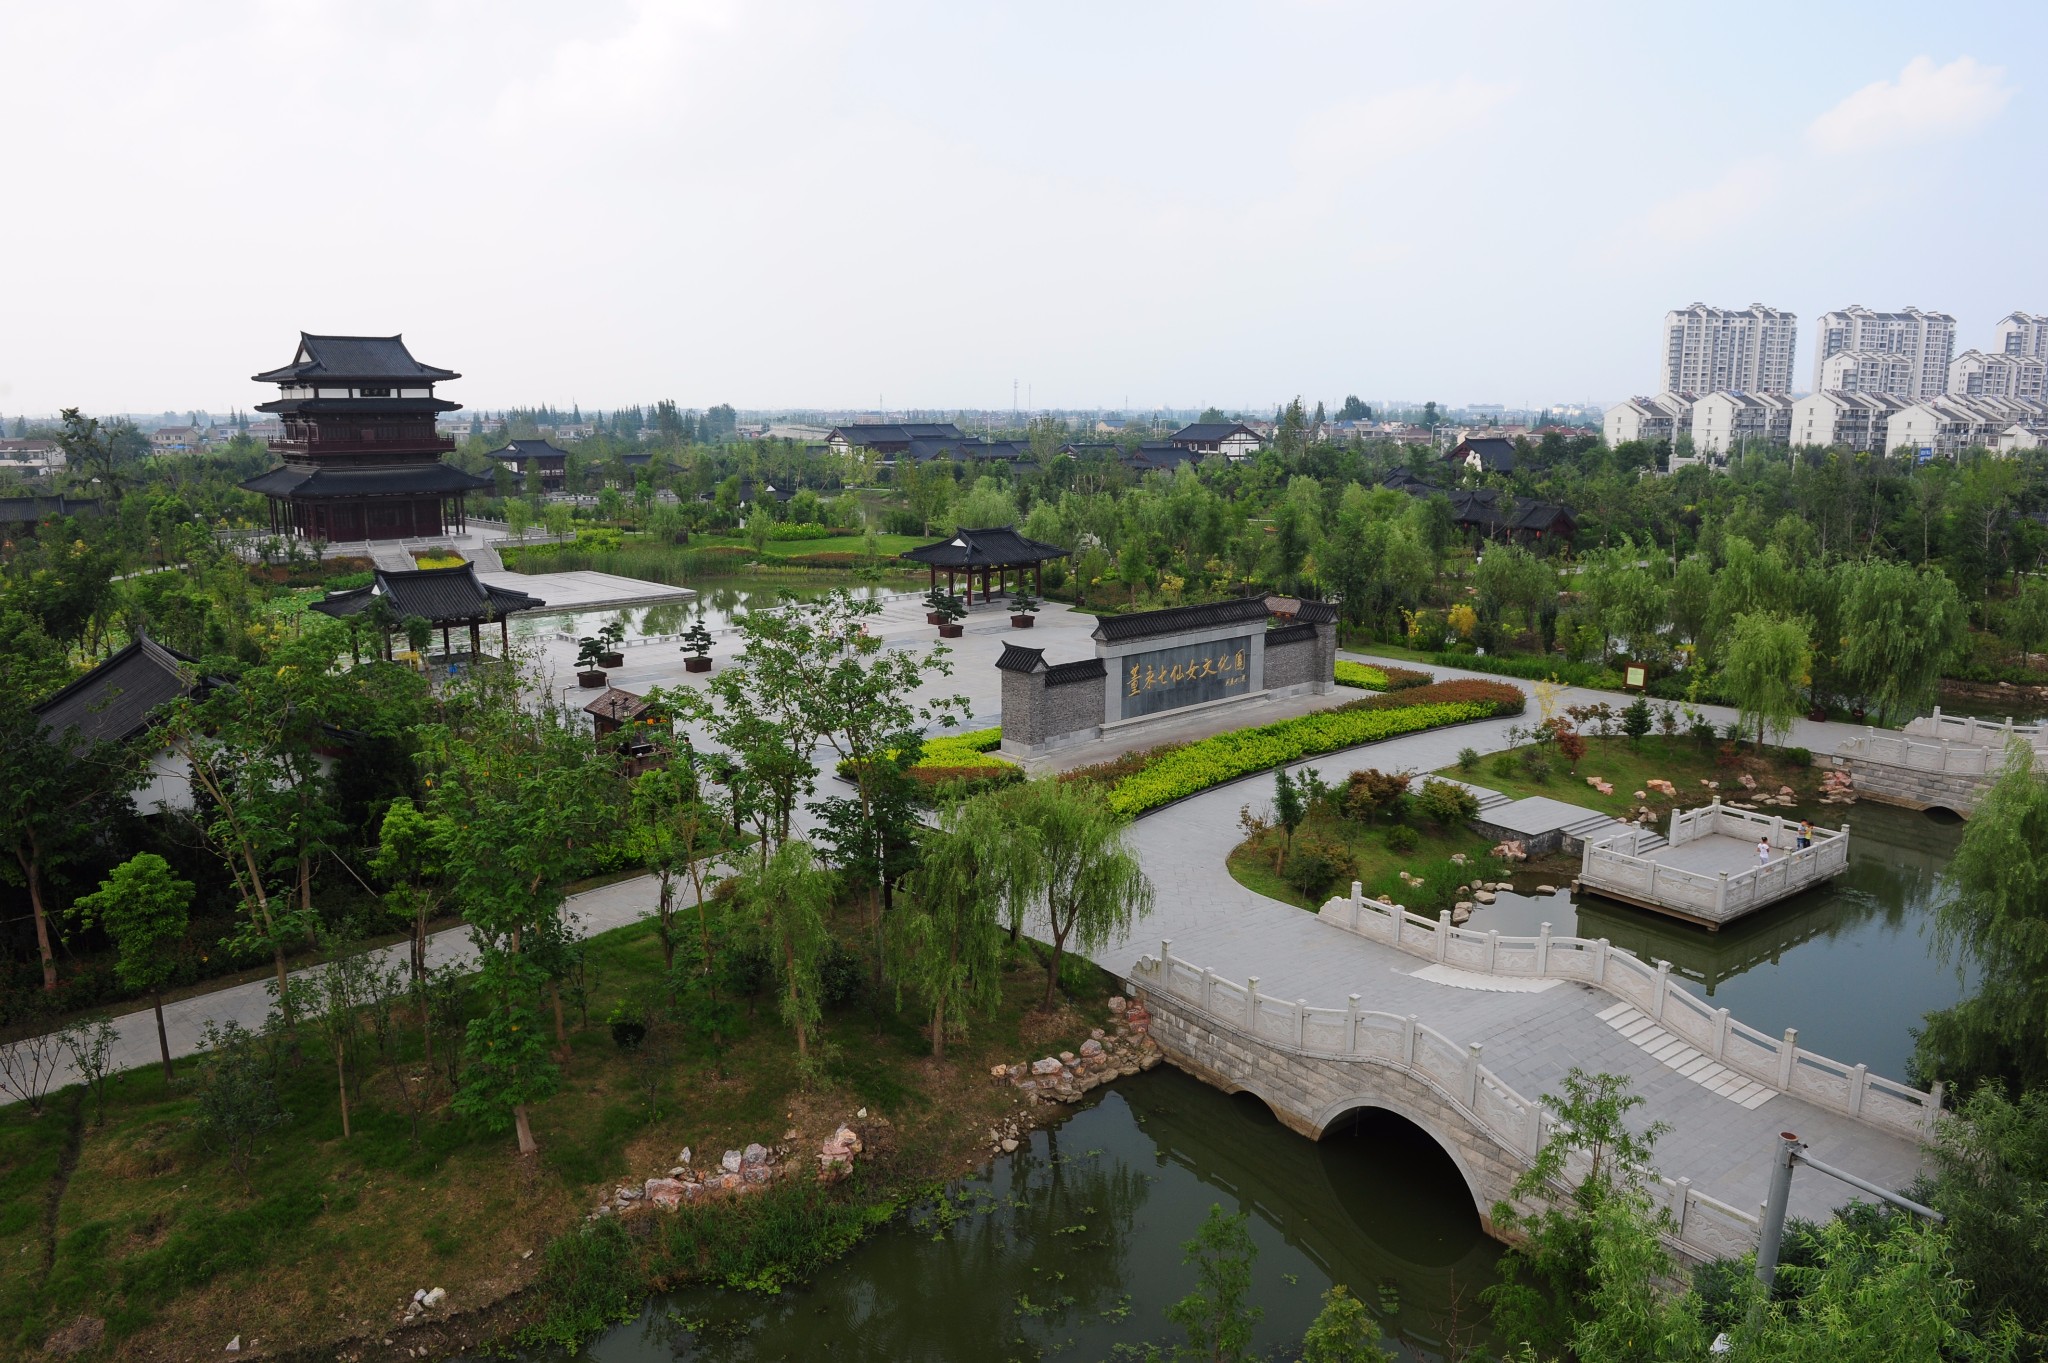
[697, 644]
[1022, 607]
[950, 613]
[611, 636]
[935, 606]
[589, 672]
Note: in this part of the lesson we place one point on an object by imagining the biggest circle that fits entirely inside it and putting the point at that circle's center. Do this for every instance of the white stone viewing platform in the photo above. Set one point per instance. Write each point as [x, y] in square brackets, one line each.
[1708, 871]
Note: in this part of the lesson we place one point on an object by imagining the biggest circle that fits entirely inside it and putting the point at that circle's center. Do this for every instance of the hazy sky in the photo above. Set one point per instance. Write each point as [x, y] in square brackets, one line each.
[791, 204]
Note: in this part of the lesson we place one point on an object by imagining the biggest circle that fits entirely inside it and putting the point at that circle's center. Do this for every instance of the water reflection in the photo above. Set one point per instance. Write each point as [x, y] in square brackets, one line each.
[1073, 1245]
[717, 602]
[1851, 964]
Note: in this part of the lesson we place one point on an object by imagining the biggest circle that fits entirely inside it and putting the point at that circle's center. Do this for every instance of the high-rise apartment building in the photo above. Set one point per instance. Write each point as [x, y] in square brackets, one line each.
[1709, 350]
[1927, 341]
[1974, 374]
[1865, 371]
[2021, 333]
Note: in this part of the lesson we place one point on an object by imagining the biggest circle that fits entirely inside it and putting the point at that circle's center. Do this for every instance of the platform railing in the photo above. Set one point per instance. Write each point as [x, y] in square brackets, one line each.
[1983, 733]
[1778, 1063]
[1701, 1225]
[1615, 864]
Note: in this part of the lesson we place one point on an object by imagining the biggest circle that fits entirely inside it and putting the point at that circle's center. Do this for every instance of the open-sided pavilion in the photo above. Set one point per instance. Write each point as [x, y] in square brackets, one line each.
[988, 556]
[447, 598]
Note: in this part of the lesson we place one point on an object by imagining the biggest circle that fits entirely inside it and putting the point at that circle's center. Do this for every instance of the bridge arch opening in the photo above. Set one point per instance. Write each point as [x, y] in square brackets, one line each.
[1425, 1171]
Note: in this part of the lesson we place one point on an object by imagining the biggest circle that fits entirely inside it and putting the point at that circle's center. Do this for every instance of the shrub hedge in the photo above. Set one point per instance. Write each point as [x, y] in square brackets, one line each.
[1212, 761]
[1368, 677]
[1533, 669]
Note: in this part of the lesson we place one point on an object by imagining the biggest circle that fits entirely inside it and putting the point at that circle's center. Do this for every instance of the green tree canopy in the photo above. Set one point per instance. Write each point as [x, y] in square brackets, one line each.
[145, 909]
[1765, 667]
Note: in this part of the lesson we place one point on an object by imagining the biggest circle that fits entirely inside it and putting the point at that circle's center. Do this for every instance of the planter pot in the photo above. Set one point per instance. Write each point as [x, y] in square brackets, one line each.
[591, 680]
[696, 664]
[1021, 621]
[934, 618]
[611, 660]
[950, 631]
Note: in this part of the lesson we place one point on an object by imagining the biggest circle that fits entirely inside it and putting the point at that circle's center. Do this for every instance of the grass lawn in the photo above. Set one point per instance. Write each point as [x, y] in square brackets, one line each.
[1681, 761]
[139, 1223]
[1379, 866]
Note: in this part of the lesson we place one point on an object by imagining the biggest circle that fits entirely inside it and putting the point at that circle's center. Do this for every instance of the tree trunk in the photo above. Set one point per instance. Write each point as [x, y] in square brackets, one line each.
[32, 871]
[939, 1031]
[306, 898]
[1052, 964]
[555, 997]
[803, 1048]
[163, 1041]
[527, 1145]
[341, 1080]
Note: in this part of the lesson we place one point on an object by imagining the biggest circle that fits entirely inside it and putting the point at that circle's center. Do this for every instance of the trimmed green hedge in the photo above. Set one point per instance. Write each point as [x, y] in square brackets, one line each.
[1360, 675]
[964, 750]
[1225, 757]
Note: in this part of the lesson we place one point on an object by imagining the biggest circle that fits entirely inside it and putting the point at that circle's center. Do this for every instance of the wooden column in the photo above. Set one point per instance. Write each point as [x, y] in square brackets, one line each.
[504, 639]
[476, 641]
[446, 647]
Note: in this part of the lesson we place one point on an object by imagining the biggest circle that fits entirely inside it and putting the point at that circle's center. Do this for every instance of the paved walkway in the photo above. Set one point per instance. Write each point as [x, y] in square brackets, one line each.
[1529, 1038]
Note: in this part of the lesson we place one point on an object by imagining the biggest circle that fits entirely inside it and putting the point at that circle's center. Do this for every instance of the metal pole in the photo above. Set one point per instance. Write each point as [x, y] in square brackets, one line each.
[1773, 1229]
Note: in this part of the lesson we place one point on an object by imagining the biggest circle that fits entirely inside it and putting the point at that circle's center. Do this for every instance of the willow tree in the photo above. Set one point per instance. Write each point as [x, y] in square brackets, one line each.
[1095, 891]
[946, 938]
[783, 904]
[1766, 664]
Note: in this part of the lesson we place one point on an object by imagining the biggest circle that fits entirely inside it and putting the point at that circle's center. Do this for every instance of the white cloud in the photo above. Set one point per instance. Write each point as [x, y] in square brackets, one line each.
[1926, 102]
[1701, 214]
[1361, 134]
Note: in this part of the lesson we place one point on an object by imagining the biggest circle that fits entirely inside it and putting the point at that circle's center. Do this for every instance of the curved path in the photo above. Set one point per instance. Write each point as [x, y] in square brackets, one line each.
[1529, 1039]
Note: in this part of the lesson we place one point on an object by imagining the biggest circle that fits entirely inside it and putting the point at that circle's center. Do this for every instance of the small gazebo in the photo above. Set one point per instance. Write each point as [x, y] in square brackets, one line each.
[988, 555]
[447, 598]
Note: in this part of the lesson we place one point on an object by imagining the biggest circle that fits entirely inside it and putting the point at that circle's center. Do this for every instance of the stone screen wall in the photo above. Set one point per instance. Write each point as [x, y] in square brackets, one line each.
[1186, 674]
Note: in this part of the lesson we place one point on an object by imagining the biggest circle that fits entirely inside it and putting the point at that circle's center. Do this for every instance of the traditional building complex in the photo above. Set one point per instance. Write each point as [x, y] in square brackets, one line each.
[362, 459]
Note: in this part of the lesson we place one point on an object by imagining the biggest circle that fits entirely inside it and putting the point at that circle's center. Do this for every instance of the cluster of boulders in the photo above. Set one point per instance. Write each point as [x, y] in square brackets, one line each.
[736, 1172]
[1837, 787]
[1124, 1049]
[1481, 892]
[424, 1299]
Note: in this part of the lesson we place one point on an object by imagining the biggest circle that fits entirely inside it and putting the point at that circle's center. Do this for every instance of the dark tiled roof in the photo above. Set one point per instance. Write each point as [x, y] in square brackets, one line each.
[1159, 454]
[997, 546]
[1401, 480]
[617, 704]
[1117, 628]
[924, 449]
[515, 451]
[883, 435]
[1496, 452]
[115, 701]
[1291, 634]
[1017, 658]
[421, 480]
[434, 594]
[1090, 449]
[28, 510]
[339, 358]
[1542, 516]
[358, 406]
[1317, 612]
[1209, 432]
[1480, 507]
[1066, 674]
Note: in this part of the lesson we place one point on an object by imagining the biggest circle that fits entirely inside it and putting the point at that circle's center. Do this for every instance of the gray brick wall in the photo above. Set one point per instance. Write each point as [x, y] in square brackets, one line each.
[1291, 665]
[1036, 716]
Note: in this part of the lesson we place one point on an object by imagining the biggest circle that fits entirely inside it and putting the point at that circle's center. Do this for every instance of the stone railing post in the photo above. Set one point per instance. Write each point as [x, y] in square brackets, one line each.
[1651, 892]
[1543, 950]
[1208, 990]
[1443, 935]
[1472, 1076]
[1535, 1136]
[1251, 1004]
[1932, 1118]
[1859, 1083]
[1351, 1026]
[1662, 990]
[1492, 949]
[1721, 896]
[1400, 913]
[1720, 1033]
[1408, 1041]
[1357, 903]
[1585, 859]
[1682, 1197]
[1788, 1056]
[1300, 1023]
[1600, 963]
[1166, 964]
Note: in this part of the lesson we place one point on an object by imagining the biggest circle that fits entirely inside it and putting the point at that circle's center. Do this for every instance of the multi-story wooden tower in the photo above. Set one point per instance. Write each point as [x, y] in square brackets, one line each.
[362, 460]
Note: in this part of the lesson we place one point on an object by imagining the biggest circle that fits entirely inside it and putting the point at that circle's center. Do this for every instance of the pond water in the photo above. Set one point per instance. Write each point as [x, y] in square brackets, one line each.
[1072, 1246]
[717, 602]
[1852, 964]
